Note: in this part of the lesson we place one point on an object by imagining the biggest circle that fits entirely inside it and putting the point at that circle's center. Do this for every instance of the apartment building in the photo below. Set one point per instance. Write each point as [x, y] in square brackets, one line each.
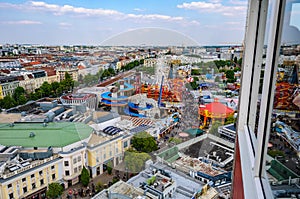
[54, 152]
[8, 85]
[31, 181]
[72, 71]
[104, 151]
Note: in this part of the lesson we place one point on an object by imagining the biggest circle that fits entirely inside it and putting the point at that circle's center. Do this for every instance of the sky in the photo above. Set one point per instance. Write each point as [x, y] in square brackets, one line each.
[95, 22]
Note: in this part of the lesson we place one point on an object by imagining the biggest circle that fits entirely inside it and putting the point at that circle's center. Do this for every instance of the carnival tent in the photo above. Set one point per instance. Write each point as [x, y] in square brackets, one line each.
[215, 110]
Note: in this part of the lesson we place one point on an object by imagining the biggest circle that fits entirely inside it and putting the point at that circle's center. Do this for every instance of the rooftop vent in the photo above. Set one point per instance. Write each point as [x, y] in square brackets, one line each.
[31, 134]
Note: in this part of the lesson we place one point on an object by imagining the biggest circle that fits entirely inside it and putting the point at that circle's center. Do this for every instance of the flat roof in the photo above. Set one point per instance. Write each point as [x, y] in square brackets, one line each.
[10, 117]
[57, 134]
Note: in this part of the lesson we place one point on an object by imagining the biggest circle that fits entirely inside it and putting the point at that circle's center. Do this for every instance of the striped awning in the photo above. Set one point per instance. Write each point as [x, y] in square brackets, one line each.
[138, 121]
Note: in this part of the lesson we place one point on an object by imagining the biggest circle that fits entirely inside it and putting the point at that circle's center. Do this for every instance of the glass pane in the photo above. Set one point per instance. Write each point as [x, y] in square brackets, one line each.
[284, 143]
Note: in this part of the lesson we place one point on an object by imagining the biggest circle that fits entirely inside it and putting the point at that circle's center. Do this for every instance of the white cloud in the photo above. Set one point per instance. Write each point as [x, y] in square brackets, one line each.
[233, 23]
[215, 1]
[80, 11]
[238, 2]
[211, 7]
[139, 9]
[60, 10]
[64, 24]
[22, 22]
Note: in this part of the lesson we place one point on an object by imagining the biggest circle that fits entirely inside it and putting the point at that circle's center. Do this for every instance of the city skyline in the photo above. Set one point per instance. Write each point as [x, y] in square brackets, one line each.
[96, 22]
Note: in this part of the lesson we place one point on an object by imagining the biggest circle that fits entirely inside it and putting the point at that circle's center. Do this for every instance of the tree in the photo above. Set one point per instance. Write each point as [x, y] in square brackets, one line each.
[135, 161]
[109, 167]
[229, 74]
[22, 99]
[214, 127]
[7, 102]
[18, 92]
[230, 119]
[85, 177]
[46, 89]
[144, 142]
[54, 190]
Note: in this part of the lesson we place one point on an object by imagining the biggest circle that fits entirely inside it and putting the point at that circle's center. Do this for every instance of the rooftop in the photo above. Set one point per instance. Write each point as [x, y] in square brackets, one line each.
[52, 134]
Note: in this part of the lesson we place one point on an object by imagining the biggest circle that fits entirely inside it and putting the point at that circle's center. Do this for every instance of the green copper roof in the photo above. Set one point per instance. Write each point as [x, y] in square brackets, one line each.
[54, 134]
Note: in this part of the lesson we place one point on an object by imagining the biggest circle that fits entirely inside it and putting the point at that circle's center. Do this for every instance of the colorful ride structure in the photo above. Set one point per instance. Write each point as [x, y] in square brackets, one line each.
[285, 93]
[170, 92]
[117, 96]
[136, 111]
[211, 111]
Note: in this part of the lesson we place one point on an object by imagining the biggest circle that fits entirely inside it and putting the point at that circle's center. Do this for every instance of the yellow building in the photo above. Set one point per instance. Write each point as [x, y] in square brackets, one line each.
[61, 72]
[31, 181]
[1, 93]
[73, 162]
[102, 150]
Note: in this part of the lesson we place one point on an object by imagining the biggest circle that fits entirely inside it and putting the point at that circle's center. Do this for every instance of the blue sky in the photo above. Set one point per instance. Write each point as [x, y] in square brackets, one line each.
[60, 22]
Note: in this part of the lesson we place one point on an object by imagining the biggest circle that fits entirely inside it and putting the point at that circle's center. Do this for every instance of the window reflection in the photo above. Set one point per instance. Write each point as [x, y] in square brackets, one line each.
[284, 142]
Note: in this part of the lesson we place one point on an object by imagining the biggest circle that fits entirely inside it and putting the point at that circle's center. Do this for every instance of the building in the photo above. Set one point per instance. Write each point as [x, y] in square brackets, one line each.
[81, 99]
[8, 85]
[47, 152]
[31, 180]
[106, 149]
[40, 76]
[72, 71]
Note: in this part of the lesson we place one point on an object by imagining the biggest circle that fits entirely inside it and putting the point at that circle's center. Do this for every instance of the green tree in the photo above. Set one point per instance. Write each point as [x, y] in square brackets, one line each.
[85, 177]
[229, 74]
[111, 71]
[18, 92]
[54, 190]
[109, 167]
[54, 87]
[8, 102]
[135, 161]
[22, 99]
[230, 119]
[214, 127]
[46, 89]
[144, 142]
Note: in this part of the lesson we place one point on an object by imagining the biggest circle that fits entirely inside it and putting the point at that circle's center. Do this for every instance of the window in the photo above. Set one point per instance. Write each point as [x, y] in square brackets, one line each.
[42, 182]
[75, 170]
[263, 118]
[32, 176]
[53, 167]
[33, 186]
[66, 163]
[79, 158]
[41, 173]
[74, 161]
[11, 196]
[9, 186]
[125, 144]
[67, 172]
[24, 189]
[23, 179]
[53, 176]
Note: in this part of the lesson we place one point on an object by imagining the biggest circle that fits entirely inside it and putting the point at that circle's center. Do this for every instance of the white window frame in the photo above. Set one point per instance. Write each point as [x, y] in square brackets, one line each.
[253, 151]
